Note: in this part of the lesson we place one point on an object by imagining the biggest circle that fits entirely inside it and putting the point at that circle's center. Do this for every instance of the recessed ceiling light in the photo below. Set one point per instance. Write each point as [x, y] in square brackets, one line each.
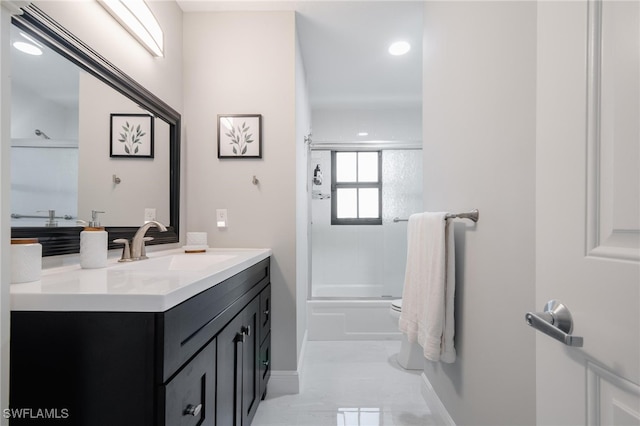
[363, 134]
[27, 48]
[399, 48]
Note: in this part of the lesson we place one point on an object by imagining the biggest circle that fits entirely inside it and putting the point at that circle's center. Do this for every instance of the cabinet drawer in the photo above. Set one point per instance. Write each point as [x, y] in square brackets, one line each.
[265, 312]
[189, 398]
[264, 363]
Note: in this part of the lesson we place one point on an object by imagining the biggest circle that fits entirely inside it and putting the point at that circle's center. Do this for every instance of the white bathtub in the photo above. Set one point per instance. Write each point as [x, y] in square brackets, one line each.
[350, 320]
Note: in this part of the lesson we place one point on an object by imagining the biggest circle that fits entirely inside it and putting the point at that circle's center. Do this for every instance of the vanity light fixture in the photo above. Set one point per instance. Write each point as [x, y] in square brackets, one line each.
[399, 48]
[136, 17]
[363, 134]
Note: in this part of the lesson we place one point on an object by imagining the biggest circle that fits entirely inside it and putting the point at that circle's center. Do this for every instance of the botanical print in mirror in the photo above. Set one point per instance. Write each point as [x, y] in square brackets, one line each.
[131, 135]
[240, 136]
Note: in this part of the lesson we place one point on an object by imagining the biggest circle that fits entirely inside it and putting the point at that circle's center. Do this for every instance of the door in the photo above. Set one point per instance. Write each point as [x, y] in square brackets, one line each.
[229, 374]
[250, 368]
[588, 210]
[237, 369]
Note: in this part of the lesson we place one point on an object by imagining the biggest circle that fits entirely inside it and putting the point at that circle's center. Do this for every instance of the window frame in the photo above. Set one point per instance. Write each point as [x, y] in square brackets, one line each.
[356, 185]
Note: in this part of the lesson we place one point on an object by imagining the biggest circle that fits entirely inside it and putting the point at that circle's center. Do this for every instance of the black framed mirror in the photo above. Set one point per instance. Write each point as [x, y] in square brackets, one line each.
[65, 240]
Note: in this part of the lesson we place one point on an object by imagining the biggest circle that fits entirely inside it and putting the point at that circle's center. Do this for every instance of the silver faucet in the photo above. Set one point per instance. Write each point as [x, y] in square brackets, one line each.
[137, 251]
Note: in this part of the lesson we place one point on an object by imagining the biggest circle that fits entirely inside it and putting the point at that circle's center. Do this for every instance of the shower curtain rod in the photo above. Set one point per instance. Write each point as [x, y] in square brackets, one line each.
[364, 145]
[473, 215]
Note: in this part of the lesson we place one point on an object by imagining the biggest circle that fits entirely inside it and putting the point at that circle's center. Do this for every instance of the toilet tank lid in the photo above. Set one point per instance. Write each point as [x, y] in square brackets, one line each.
[397, 303]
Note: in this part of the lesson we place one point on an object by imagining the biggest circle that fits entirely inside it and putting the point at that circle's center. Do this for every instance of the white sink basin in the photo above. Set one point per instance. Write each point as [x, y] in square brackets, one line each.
[178, 262]
[196, 261]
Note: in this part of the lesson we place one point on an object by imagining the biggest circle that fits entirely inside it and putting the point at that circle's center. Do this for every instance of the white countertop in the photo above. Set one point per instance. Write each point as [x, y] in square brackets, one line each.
[157, 284]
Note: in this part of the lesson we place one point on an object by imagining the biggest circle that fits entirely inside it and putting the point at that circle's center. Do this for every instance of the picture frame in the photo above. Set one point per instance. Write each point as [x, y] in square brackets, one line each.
[131, 136]
[239, 136]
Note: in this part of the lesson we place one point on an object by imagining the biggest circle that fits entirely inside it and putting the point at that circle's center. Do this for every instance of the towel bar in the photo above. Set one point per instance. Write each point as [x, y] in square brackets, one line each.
[473, 215]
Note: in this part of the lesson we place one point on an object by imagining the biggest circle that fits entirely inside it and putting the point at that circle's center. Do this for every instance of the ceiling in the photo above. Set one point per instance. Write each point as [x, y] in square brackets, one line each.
[49, 76]
[344, 48]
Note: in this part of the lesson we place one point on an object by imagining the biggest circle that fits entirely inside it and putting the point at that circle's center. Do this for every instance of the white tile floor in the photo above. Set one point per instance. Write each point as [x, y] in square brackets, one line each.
[350, 383]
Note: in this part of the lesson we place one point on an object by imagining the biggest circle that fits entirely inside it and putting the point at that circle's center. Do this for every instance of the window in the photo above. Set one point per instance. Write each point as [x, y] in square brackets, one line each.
[356, 188]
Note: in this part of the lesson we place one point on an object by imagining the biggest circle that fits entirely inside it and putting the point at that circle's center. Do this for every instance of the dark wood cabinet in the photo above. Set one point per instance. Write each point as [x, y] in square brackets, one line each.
[189, 398]
[199, 363]
[237, 368]
[264, 357]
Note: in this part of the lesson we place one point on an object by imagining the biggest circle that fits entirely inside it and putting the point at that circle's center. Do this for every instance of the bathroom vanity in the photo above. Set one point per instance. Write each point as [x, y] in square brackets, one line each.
[178, 339]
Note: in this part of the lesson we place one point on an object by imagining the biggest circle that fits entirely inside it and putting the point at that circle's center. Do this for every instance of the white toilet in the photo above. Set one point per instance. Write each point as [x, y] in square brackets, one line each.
[411, 355]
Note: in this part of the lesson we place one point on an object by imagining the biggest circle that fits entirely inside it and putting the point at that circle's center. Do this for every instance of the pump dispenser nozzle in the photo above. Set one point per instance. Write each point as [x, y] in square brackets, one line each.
[94, 219]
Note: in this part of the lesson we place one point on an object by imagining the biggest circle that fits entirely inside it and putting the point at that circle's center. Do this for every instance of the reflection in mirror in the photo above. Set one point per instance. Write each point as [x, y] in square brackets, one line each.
[62, 103]
[60, 127]
[44, 135]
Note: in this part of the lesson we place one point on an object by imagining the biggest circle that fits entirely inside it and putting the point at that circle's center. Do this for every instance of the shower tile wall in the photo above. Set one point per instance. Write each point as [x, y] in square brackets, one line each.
[365, 260]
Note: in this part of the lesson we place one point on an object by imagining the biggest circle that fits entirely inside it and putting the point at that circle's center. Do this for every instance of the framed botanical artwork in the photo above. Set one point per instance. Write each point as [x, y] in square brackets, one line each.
[131, 136]
[239, 136]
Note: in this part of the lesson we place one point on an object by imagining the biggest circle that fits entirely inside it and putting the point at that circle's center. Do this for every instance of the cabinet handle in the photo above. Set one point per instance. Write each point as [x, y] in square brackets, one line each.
[266, 314]
[192, 410]
[265, 363]
[246, 330]
[240, 336]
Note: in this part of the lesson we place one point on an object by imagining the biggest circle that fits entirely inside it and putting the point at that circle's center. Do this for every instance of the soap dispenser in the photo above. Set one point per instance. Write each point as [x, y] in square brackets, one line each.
[93, 244]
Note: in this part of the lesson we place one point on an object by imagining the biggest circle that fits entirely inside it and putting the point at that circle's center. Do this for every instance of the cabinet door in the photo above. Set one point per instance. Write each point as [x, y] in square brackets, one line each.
[237, 368]
[189, 398]
[229, 374]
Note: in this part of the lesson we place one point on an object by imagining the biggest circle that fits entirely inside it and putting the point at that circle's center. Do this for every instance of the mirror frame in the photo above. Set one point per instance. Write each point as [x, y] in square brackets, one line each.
[66, 240]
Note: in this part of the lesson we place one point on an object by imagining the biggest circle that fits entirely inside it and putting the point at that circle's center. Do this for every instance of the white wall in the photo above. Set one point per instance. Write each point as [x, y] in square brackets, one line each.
[342, 124]
[30, 111]
[479, 152]
[303, 198]
[244, 63]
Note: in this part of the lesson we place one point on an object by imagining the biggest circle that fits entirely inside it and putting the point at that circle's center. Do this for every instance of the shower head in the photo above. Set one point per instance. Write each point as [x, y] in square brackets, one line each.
[41, 133]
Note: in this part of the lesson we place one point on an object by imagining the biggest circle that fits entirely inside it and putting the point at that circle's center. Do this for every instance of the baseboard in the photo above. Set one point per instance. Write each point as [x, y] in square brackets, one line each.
[288, 382]
[284, 382]
[301, 359]
[434, 403]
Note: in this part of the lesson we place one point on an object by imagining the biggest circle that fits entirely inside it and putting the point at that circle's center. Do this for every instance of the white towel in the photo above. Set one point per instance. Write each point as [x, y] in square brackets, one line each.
[429, 286]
